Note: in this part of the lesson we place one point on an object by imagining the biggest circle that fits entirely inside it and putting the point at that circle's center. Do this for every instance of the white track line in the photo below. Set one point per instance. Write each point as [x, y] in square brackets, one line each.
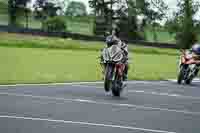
[86, 124]
[82, 83]
[196, 80]
[51, 84]
[165, 94]
[148, 93]
[103, 103]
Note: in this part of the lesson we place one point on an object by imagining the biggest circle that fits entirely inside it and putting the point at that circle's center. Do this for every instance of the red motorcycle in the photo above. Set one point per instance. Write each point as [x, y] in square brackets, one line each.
[113, 62]
[189, 65]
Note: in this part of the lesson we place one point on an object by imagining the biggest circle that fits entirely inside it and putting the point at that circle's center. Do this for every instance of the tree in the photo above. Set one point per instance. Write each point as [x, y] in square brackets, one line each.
[103, 8]
[143, 12]
[153, 11]
[45, 8]
[103, 12]
[184, 24]
[55, 24]
[15, 9]
[76, 9]
[129, 10]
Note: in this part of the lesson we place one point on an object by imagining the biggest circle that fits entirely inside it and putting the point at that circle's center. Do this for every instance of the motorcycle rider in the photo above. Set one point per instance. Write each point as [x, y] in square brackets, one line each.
[194, 55]
[194, 52]
[114, 39]
[196, 48]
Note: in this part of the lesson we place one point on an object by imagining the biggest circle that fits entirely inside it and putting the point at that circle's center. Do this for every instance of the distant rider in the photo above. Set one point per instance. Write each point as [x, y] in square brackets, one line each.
[195, 50]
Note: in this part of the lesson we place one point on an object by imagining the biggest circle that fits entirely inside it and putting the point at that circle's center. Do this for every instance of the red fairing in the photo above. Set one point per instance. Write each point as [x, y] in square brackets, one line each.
[183, 59]
[188, 60]
[191, 61]
[120, 69]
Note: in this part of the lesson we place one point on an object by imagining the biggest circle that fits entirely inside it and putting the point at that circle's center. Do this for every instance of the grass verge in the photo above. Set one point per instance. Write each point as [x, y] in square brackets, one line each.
[28, 41]
[31, 59]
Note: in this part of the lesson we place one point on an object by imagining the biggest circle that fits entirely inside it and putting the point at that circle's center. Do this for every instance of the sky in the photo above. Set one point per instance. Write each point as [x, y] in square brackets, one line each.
[171, 3]
[86, 3]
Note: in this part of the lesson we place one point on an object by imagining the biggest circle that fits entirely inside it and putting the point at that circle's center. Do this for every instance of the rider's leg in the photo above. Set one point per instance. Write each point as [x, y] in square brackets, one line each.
[197, 70]
[125, 77]
[102, 66]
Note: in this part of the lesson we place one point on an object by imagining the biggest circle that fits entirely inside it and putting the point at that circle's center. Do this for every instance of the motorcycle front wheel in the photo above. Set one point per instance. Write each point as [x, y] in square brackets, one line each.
[117, 86]
[108, 78]
[189, 80]
[180, 75]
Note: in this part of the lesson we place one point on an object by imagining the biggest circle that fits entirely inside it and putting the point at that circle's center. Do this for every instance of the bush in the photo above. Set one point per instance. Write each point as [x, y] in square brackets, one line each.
[84, 19]
[186, 39]
[134, 35]
[17, 24]
[55, 24]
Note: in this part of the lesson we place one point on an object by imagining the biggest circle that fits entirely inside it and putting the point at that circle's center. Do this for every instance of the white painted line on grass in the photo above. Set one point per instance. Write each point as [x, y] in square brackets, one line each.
[103, 103]
[86, 124]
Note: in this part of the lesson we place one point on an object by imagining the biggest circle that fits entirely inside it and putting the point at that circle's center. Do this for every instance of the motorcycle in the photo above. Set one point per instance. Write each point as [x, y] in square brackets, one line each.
[189, 65]
[113, 63]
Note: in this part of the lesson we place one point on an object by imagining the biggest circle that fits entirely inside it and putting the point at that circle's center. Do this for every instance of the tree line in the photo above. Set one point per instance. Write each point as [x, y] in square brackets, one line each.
[137, 15]
[44, 9]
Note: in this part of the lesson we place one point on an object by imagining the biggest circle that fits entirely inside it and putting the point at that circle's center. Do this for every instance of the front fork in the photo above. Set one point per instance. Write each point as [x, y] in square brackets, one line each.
[185, 70]
[189, 73]
[117, 70]
[194, 71]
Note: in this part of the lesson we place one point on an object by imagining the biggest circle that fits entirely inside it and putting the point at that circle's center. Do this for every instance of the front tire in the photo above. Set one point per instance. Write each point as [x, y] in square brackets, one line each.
[117, 86]
[107, 79]
[116, 90]
[116, 93]
[107, 85]
[180, 75]
[188, 81]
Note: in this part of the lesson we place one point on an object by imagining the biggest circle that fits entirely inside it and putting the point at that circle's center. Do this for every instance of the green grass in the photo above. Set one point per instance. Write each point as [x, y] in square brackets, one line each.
[80, 27]
[3, 12]
[3, 7]
[27, 65]
[30, 65]
[27, 41]
[153, 67]
[3, 19]
[162, 36]
[72, 26]
[70, 60]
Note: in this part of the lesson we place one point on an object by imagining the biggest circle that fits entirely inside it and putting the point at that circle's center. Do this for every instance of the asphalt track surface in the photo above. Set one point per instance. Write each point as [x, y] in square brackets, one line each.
[145, 107]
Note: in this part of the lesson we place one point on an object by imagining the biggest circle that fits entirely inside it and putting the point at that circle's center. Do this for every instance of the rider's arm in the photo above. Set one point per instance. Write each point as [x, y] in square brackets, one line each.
[124, 47]
[197, 61]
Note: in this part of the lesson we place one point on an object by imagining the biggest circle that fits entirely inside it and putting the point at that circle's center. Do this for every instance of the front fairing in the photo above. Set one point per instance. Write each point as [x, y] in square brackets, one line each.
[112, 54]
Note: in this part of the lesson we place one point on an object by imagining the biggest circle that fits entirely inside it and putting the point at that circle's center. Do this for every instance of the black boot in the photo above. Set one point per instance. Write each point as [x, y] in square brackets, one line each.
[125, 75]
